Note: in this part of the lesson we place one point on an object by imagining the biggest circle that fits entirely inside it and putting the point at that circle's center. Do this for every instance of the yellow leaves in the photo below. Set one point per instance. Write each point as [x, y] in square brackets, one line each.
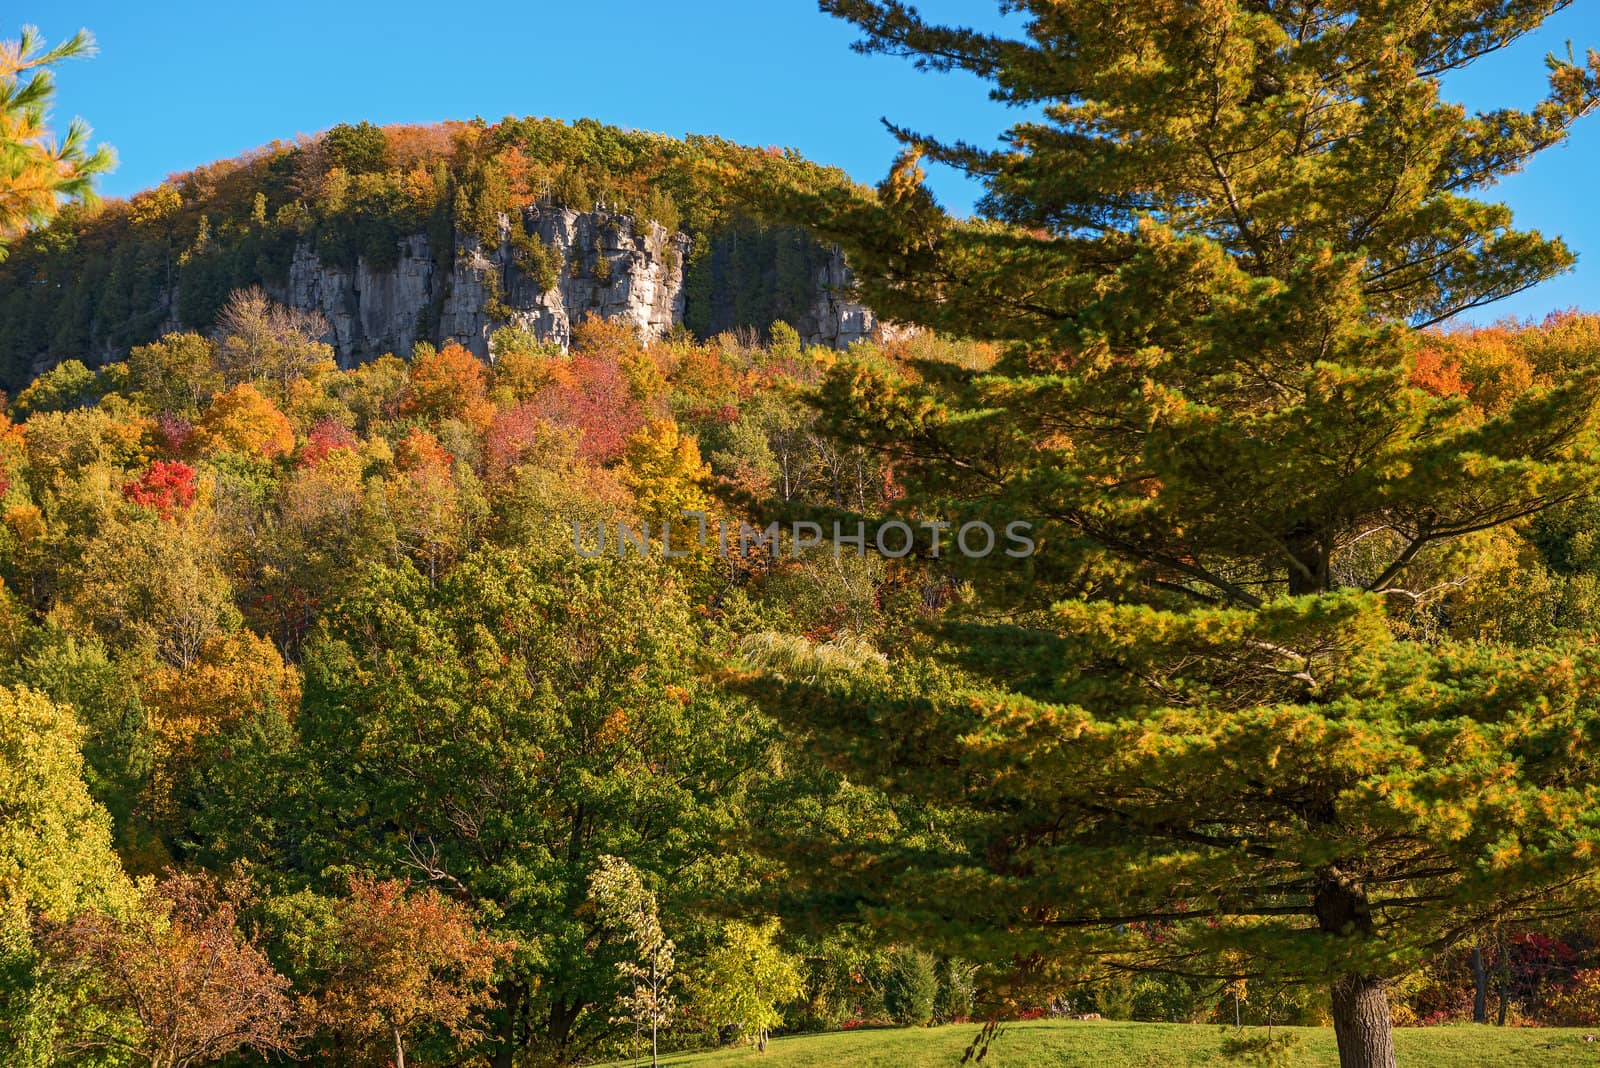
[154, 206]
[25, 522]
[662, 467]
[236, 676]
[55, 842]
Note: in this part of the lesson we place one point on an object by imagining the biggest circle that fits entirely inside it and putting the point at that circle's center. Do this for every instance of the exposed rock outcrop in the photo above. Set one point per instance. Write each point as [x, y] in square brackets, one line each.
[605, 264]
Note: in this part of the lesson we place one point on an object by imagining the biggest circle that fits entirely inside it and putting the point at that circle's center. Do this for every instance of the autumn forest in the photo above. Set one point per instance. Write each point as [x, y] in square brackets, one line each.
[503, 593]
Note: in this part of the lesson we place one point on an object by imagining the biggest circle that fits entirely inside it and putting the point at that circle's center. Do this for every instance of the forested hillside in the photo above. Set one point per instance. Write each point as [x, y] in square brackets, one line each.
[498, 595]
[325, 642]
[347, 689]
[433, 234]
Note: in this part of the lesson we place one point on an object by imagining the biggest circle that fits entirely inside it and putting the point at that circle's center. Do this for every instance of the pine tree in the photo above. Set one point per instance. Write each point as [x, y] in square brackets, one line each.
[1202, 731]
[37, 171]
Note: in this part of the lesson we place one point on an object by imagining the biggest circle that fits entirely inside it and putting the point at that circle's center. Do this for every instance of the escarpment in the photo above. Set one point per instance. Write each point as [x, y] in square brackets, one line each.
[434, 234]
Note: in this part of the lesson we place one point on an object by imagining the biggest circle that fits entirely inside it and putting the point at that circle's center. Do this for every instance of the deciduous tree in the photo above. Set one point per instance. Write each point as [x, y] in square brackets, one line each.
[746, 980]
[405, 962]
[622, 901]
[196, 987]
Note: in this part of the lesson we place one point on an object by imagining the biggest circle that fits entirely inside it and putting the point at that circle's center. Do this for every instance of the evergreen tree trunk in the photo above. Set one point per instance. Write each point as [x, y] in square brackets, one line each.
[1361, 1023]
[1361, 1020]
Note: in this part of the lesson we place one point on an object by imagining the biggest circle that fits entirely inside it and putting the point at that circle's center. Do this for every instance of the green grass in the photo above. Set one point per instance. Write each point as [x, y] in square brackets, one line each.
[1107, 1044]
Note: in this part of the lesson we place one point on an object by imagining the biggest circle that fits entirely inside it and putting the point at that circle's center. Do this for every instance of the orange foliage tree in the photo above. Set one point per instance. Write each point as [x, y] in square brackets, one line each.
[406, 962]
[245, 422]
[448, 384]
[191, 985]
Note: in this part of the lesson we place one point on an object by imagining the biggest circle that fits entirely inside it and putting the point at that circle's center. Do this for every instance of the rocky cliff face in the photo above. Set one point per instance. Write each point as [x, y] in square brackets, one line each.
[609, 265]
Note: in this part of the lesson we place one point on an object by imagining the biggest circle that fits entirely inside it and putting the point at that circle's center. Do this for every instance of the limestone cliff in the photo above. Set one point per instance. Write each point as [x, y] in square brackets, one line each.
[608, 264]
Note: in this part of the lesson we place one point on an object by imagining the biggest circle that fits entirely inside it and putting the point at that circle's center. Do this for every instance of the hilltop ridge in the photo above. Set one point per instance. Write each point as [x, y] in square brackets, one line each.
[431, 233]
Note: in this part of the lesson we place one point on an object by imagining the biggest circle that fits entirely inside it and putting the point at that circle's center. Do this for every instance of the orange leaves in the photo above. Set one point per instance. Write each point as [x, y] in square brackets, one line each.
[420, 451]
[1437, 373]
[243, 421]
[448, 384]
[406, 961]
[199, 987]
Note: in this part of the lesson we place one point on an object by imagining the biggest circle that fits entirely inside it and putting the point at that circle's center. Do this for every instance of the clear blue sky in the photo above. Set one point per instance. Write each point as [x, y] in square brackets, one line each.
[177, 84]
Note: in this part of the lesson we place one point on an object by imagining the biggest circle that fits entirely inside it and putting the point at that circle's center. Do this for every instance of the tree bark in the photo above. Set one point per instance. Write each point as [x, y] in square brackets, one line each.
[1361, 1020]
[1361, 1023]
[399, 1049]
[1309, 563]
[505, 1052]
[1480, 987]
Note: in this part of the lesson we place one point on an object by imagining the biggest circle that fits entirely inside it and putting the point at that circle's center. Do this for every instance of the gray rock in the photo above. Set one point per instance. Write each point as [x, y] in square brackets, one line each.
[612, 267]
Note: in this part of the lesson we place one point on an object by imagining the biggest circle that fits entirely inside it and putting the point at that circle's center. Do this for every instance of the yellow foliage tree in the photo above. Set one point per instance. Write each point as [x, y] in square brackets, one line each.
[55, 842]
[245, 422]
[236, 676]
[662, 467]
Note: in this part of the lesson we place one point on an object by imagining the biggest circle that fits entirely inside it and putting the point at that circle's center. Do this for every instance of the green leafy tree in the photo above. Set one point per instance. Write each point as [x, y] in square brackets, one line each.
[1209, 251]
[179, 373]
[498, 732]
[746, 981]
[55, 861]
[910, 986]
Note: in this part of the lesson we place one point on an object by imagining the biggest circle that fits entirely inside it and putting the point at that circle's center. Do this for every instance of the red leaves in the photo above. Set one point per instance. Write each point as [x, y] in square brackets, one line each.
[592, 396]
[327, 436]
[199, 986]
[167, 487]
[174, 432]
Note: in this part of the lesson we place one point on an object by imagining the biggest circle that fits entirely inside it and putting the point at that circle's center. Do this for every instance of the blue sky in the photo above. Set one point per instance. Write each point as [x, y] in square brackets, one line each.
[179, 84]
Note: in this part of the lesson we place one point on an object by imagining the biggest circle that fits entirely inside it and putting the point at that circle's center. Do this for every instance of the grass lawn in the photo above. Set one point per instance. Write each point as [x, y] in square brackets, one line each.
[1107, 1044]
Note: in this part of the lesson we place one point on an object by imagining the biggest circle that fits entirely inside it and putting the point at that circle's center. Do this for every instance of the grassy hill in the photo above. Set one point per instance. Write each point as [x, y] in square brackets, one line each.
[1106, 1044]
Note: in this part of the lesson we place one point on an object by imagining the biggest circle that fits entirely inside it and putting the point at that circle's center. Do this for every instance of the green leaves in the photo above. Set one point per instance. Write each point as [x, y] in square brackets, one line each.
[500, 733]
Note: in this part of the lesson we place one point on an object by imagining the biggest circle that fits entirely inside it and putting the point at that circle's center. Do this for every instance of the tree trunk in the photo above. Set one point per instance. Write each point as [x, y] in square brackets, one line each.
[399, 1049]
[1480, 987]
[1361, 1023]
[558, 1026]
[1360, 1002]
[1308, 563]
[505, 1052]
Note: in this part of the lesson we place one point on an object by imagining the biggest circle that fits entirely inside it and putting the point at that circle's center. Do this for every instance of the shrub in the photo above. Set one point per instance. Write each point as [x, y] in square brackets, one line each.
[910, 987]
[956, 993]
